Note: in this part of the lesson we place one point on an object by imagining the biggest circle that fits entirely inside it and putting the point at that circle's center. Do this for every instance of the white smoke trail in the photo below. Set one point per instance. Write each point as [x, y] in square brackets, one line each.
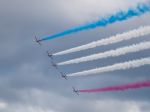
[118, 66]
[136, 33]
[112, 53]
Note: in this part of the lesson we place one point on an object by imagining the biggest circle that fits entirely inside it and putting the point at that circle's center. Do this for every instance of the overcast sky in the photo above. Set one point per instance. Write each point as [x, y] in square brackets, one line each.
[28, 83]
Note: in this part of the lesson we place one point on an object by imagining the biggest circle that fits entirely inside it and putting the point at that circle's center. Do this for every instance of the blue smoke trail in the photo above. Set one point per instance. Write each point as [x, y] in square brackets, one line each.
[119, 16]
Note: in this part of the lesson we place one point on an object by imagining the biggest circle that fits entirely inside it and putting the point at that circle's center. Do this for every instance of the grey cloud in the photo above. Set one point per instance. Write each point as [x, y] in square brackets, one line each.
[29, 83]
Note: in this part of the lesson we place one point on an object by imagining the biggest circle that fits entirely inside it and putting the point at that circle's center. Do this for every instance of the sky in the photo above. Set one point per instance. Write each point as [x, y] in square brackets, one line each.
[28, 83]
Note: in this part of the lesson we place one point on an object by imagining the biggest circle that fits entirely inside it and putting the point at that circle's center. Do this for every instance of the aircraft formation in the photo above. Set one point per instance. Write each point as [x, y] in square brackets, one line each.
[133, 34]
[63, 75]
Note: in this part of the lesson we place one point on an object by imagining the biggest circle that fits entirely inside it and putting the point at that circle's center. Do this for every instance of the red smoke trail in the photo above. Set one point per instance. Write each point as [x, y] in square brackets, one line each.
[135, 85]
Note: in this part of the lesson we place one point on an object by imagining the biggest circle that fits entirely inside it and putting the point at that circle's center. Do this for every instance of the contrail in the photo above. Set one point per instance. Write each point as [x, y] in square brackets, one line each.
[111, 53]
[135, 85]
[136, 33]
[140, 9]
[118, 66]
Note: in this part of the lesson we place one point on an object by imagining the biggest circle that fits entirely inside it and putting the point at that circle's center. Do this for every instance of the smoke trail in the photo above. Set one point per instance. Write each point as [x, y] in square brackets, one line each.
[119, 16]
[136, 33]
[118, 66]
[112, 53]
[135, 85]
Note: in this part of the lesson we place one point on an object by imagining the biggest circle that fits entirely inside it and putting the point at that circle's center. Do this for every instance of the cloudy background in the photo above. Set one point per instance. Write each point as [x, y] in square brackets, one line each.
[27, 81]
